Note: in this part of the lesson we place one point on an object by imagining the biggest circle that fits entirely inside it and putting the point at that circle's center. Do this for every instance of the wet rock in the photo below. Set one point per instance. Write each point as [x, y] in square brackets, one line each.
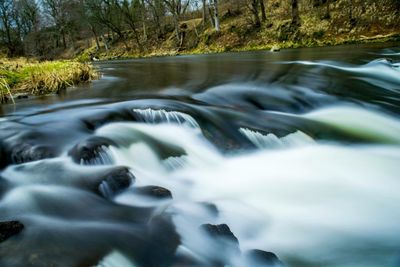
[224, 244]
[156, 192]
[9, 229]
[101, 118]
[24, 152]
[115, 181]
[275, 48]
[91, 151]
[221, 231]
[3, 157]
[260, 258]
[164, 241]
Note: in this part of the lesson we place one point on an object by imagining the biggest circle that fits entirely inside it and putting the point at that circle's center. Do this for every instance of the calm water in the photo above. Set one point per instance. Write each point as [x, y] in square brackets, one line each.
[200, 160]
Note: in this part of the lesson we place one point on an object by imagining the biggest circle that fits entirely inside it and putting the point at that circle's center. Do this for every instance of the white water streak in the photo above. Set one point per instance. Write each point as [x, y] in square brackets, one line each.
[116, 259]
[156, 116]
[271, 141]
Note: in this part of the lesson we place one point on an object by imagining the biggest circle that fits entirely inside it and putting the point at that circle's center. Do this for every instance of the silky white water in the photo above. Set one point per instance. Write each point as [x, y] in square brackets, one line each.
[319, 203]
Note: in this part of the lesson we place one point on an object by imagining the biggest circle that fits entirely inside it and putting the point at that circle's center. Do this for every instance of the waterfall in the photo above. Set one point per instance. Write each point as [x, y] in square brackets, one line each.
[271, 141]
[162, 116]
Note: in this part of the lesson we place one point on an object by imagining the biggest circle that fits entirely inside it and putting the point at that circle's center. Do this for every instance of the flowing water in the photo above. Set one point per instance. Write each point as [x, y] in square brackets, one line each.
[297, 152]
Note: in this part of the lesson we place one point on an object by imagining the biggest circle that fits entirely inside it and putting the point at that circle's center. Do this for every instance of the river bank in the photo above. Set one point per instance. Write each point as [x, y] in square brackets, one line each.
[22, 77]
[370, 23]
[119, 53]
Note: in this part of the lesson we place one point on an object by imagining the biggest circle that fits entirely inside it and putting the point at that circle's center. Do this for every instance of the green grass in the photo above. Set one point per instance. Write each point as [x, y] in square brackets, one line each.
[41, 78]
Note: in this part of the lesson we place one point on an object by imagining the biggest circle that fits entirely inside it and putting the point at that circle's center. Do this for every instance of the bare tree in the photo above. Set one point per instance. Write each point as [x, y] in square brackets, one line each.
[177, 8]
[295, 13]
[262, 8]
[214, 4]
[6, 12]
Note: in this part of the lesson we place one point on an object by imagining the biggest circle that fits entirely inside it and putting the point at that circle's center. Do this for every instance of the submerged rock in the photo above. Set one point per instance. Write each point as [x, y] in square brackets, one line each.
[156, 192]
[221, 231]
[115, 181]
[18, 153]
[99, 119]
[91, 151]
[260, 258]
[9, 229]
[3, 157]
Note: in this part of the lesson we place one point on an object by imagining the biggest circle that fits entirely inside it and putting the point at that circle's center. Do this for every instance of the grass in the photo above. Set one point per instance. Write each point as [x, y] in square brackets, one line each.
[23, 76]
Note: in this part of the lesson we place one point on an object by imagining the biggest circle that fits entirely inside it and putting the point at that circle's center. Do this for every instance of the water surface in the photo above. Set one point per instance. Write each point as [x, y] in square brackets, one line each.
[297, 152]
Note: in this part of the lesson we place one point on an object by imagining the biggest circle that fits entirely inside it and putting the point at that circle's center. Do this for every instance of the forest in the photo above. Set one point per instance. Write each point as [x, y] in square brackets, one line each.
[87, 29]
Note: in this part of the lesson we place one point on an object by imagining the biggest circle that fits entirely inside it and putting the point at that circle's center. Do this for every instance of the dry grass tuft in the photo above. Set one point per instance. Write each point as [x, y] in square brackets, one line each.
[41, 78]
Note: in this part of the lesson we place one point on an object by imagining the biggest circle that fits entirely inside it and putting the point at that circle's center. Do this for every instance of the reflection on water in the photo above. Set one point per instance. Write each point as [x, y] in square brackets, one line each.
[210, 160]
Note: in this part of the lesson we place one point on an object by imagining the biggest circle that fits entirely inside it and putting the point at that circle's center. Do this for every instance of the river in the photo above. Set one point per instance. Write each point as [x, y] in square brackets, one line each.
[210, 160]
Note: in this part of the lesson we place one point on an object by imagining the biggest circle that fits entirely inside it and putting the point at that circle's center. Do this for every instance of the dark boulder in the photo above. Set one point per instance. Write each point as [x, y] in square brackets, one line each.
[25, 152]
[91, 151]
[9, 229]
[156, 192]
[221, 231]
[115, 181]
[3, 157]
[99, 119]
[260, 258]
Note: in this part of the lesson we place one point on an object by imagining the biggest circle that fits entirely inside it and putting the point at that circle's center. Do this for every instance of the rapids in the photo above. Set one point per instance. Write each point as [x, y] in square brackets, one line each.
[219, 161]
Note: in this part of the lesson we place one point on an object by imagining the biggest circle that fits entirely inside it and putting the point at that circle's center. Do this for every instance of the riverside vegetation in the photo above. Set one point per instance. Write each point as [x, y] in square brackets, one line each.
[22, 77]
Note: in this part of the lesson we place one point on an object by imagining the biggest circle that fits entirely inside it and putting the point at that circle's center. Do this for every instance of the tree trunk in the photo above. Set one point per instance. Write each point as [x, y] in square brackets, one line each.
[177, 30]
[263, 14]
[328, 11]
[204, 13]
[144, 21]
[254, 10]
[95, 38]
[295, 13]
[216, 18]
[105, 42]
[351, 10]
[64, 39]
[210, 12]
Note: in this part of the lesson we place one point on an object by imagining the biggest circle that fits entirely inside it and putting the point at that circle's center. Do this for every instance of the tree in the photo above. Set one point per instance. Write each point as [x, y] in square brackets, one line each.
[328, 10]
[105, 12]
[262, 8]
[177, 8]
[6, 17]
[253, 6]
[214, 4]
[129, 10]
[295, 13]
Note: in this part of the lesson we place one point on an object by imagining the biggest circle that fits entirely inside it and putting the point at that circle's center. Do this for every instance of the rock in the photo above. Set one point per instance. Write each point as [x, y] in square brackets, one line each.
[21, 96]
[99, 119]
[260, 258]
[3, 157]
[89, 150]
[275, 48]
[9, 229]
[115, 181]
[221, 231]
[25, 152]
[154, 192]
